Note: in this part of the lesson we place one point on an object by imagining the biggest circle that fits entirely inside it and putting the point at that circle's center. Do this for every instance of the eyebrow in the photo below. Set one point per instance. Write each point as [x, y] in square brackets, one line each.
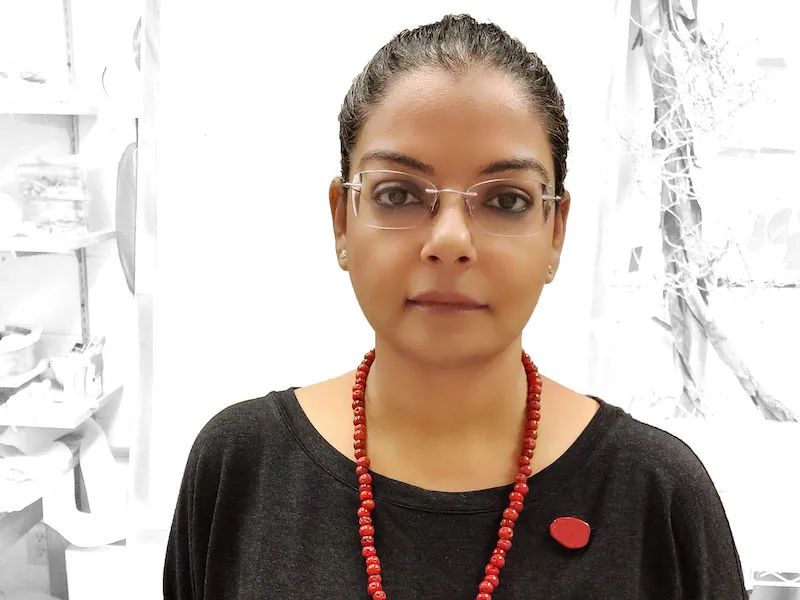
[498, 166]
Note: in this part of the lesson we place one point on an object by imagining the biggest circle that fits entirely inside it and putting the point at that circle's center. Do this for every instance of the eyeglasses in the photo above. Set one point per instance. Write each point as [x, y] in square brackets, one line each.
[504, 207]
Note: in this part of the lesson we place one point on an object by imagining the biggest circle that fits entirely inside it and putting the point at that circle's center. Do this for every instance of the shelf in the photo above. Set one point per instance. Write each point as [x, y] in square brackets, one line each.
[54, 244]
[18, 381]
[74, 109]
[55, 415]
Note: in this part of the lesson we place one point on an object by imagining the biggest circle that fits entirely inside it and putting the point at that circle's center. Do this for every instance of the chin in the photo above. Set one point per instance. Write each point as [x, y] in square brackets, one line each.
[448, 350]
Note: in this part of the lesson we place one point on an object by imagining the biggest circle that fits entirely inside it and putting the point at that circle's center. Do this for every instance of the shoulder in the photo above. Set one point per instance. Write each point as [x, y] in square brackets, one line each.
[680, 495]
[655, 453]
[247, 428]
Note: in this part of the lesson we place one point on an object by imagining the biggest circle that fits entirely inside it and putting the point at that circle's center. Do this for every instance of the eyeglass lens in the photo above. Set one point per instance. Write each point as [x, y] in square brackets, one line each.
[391, 200]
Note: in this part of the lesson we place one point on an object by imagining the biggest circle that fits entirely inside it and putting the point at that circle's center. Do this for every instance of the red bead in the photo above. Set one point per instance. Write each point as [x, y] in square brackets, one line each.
[529, 444]
[526, 471]
[499, 551]
[515, 496]
[373, 560]
[360, 453]
[364, 521]
[536, 405]
[506, 533]
[365, 495]
[358, 394]
[374, 587]
[517, 506]
[524, 460]
[361, 470]
[521, 477]
[491, 570]
[360, 420]
[528, 452]
[368, 540]
[359, 411]
[522, 488]
[359, 444]
[379, 595]
[482, 596]
[368, 504]
[510, 514]
[360, 434]
[498, 561]
[486, 587]
[504, 544]
[507, 523]
[363, 512]
[374, 579]
[366, 530]
[493, 579]
[363, 461]
[532, 433]
[368, 551]
[365, 478]
[373, 569]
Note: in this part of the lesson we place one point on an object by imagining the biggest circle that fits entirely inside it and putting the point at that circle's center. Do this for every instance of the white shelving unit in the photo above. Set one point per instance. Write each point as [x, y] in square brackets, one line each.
[62, 244]
[53, 411]
[56, 413]
[53, 244]
[47, 108]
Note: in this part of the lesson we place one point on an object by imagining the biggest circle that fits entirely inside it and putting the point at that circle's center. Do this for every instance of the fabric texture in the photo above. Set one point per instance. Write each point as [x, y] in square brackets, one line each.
[267, 509]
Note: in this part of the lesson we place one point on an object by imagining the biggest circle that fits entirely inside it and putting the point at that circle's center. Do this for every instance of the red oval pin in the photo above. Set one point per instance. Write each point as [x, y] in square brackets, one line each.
[570, 532]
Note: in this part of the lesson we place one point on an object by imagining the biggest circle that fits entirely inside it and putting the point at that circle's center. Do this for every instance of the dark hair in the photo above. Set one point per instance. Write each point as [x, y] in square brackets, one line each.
[455, 44]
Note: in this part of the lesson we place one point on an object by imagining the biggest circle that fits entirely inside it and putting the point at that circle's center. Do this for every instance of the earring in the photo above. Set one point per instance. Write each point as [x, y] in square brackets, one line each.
[343, 254]
[550, 273]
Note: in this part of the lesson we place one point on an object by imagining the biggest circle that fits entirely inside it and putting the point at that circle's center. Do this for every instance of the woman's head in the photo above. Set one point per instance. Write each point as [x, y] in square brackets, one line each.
[447, 106]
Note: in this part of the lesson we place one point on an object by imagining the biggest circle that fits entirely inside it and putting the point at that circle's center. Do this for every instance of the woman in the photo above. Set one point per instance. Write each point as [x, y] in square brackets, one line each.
[481, 478]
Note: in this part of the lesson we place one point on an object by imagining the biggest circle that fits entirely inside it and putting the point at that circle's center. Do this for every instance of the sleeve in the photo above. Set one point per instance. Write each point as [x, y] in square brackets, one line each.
[184, 564]
[708, 563]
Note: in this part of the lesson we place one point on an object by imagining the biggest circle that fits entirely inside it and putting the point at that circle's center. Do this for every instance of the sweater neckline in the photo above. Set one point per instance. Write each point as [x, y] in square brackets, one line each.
[564, 469]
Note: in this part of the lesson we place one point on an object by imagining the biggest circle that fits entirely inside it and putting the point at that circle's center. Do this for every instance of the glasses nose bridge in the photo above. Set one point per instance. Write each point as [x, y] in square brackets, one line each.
[465, 194]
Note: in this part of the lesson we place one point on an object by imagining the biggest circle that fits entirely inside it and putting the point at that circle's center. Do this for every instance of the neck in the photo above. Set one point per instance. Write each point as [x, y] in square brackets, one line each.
[429, 402]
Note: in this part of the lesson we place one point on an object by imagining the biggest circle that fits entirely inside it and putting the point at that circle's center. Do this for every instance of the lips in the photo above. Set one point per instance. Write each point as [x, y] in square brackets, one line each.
[445, 301]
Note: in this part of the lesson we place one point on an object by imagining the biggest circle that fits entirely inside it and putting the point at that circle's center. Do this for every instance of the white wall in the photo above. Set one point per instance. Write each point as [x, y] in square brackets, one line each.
[249, 297]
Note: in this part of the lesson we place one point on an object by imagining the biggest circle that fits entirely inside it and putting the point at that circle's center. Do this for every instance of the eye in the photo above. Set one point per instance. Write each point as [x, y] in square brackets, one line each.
[396, 195]
[509, 201]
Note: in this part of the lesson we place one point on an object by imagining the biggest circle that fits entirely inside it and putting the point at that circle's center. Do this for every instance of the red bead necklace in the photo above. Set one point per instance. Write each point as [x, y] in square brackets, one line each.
[516, 498]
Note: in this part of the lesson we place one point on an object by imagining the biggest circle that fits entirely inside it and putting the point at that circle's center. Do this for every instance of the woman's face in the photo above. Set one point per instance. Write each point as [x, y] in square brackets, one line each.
[456, 125]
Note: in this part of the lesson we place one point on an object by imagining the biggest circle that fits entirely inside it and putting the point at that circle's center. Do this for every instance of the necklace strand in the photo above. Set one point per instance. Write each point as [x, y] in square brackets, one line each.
[366, 528]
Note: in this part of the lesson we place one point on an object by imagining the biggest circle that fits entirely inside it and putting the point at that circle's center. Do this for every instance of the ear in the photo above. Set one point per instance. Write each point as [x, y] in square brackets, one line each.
[559, 232]
[337, 197]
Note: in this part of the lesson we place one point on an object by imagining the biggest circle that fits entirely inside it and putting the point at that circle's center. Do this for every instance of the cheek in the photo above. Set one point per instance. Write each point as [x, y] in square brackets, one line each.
[379, 273]
[517, 275]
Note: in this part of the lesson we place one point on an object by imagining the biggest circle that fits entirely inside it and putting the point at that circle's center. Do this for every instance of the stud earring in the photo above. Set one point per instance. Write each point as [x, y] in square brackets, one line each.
[550, 274]
[343, 254]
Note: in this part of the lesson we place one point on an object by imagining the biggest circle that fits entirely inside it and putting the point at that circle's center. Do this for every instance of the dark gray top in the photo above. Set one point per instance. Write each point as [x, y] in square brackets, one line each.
[267, 509]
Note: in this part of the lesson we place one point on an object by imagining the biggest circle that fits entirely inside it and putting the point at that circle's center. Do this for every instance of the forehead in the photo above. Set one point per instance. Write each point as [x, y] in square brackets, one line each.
[456, 123]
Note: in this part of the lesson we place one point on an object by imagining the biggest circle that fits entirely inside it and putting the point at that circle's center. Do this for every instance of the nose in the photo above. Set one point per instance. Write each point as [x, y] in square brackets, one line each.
[450, 240]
